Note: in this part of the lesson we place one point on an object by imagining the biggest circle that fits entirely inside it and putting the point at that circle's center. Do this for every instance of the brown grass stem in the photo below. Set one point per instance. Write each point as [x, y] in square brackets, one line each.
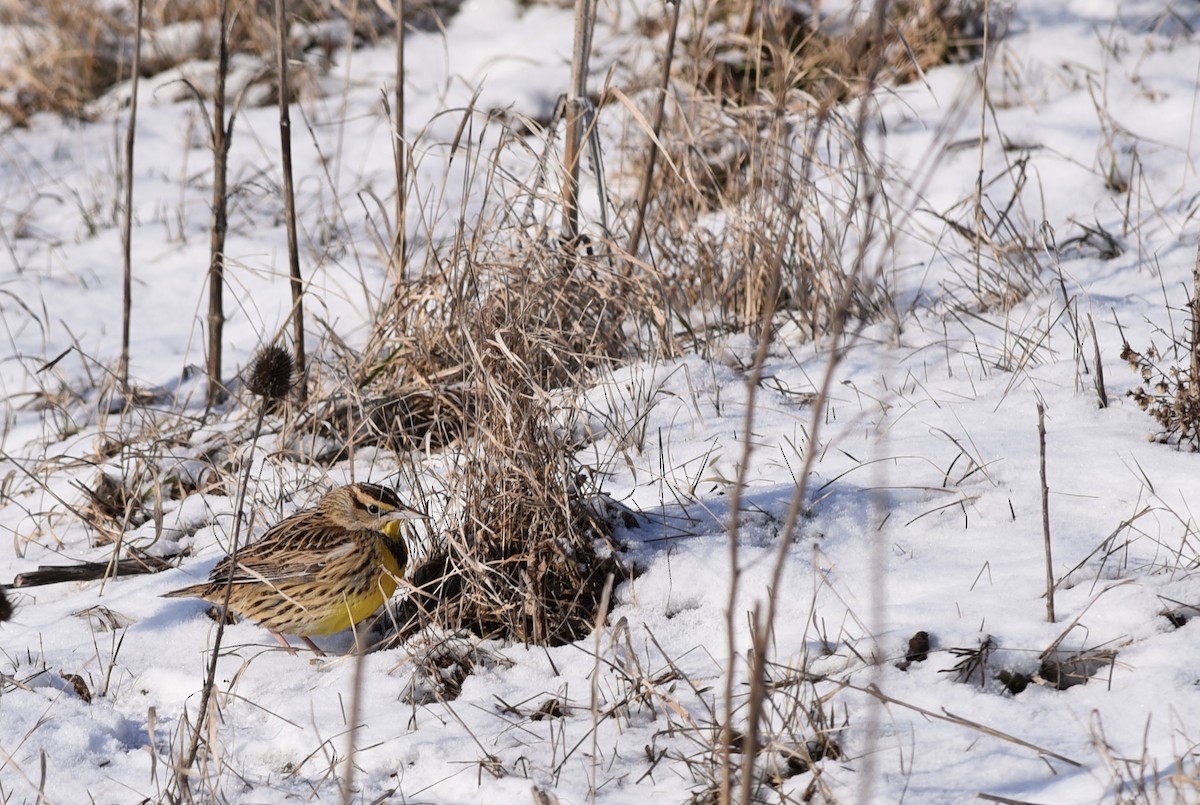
[597, 632]
[576, 98]
[1101, 391]
[983, 107]
[660, 104]
[763, 625]
[1041, 409]
[220, 224]
[127, 223]
[289, 203]
[1194, 335]
[947, 716]
[400, 153]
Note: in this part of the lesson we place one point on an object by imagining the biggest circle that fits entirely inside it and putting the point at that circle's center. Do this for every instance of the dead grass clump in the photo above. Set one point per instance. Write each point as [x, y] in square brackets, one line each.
[1140, 775]
[753, 47]
[525, 565]
[997, 247]
[1168, 394]
[800, 734]
[114, 505]
[522, 554]
[551, 315]
[68, 53]
[1066, 669]
[751, 222]
[438, 666]
[1171, 394]
[417, 382]
[403, 418]
[768, 199]
[527, 557]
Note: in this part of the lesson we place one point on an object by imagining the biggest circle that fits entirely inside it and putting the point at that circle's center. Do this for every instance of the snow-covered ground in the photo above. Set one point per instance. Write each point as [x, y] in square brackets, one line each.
[926, 506]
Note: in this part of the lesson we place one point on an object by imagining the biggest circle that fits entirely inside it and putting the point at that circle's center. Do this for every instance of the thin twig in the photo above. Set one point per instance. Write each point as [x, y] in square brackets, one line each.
[764, 626]
[985, 63]
[1101, 392]
[1041, 409]
[289, 204]
[220, 201]
[664, 84]
[576, 95]
[946, 715]
[127, 224]
[597, 632]
[210, 678]
[1194, 346]
[400, 154]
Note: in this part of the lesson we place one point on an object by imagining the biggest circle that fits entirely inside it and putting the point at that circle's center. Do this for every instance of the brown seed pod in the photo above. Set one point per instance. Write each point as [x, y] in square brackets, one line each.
[271, 372]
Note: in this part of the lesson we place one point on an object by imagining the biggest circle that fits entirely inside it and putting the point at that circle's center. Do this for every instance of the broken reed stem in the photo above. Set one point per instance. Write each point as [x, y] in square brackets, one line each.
[216, 264]
[1194, 346]
[1101, 393]
[289, 204]
[664, 83]
[1041, 409]
[400, 155]
[127, 224]
[576, 97]
[983, 105]
[759, 627]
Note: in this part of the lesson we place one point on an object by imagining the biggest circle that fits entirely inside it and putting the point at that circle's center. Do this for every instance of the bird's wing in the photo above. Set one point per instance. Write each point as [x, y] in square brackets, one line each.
[286, 555]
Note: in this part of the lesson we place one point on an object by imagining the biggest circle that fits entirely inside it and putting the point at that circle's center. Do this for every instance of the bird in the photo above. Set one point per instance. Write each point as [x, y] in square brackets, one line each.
[320, 570]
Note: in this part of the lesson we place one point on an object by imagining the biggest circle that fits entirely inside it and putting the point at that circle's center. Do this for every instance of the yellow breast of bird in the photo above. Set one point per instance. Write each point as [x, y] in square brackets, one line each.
[360, 601]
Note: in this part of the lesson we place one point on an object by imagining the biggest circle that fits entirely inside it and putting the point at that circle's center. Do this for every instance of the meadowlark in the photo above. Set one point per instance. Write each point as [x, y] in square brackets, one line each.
[319, 571]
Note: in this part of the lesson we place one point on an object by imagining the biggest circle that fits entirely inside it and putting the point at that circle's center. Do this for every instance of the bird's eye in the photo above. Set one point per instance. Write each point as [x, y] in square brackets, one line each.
[373, 510]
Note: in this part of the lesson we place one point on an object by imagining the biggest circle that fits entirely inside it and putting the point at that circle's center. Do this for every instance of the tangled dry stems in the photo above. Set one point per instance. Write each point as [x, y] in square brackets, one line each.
[525, 557]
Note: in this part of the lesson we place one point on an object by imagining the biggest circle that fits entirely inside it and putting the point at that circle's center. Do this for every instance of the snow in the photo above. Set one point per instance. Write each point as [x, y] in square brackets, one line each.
[924, 510]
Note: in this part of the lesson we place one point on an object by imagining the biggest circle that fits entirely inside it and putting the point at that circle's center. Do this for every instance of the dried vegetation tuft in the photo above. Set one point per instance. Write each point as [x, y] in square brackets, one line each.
[769, 210]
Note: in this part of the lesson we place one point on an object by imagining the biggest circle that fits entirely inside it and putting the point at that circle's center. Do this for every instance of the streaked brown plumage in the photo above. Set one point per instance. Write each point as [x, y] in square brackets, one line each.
[320, 570]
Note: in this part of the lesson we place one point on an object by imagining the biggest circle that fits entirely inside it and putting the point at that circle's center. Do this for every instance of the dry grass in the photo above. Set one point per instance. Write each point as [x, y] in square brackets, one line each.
[755, 139]
[750, 49]
[1168, 391]
[769, 209]
[71, 52]
[68, 52]
[524, 555]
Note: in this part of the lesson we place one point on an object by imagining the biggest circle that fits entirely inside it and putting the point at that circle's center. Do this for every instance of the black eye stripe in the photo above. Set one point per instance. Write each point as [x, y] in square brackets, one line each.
[371, 495]
[389, 497]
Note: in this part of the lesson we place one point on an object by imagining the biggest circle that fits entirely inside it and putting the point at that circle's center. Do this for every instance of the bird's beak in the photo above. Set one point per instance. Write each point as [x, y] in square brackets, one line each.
[407, 513]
